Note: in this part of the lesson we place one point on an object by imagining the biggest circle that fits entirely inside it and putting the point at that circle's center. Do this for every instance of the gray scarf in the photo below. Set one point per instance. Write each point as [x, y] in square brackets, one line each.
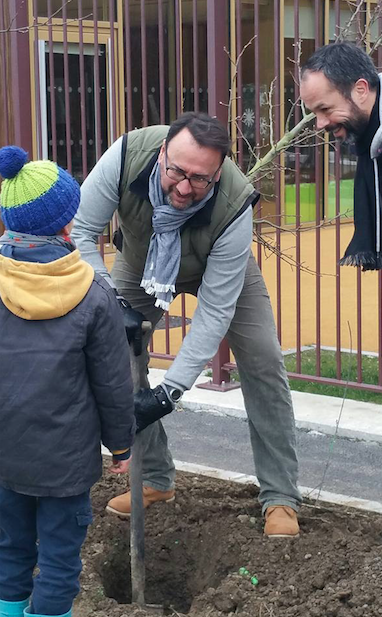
[163, 256]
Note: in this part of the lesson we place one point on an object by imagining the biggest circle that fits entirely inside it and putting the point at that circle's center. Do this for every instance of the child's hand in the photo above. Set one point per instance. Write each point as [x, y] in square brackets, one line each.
[120, 466]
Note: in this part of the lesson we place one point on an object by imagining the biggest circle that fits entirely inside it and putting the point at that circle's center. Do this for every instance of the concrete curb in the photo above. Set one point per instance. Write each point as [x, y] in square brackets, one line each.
[241, 478]
[324, 496]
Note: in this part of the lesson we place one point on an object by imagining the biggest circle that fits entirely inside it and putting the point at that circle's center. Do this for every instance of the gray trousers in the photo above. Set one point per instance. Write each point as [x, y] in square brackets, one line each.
[253, 339]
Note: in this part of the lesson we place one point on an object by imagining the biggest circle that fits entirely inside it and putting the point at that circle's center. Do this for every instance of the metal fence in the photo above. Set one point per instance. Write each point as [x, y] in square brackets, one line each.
[76, 74]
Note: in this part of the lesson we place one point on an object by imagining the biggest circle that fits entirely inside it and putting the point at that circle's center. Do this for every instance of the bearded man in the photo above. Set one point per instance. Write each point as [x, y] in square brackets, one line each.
[185, 216]
[340, 84]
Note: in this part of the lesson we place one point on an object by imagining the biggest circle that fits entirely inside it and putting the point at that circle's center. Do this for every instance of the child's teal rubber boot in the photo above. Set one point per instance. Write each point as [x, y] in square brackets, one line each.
[13, 609]
[27, 614]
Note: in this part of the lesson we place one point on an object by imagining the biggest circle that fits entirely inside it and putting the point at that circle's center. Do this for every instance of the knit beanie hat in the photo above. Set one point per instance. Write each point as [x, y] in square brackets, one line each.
[37, 198]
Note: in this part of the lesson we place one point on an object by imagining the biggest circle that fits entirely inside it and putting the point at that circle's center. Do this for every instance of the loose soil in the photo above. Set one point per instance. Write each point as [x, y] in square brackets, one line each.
[196, 546]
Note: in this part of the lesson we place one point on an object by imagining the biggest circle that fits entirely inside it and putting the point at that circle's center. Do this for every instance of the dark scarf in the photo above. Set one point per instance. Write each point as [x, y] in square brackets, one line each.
[364, 250]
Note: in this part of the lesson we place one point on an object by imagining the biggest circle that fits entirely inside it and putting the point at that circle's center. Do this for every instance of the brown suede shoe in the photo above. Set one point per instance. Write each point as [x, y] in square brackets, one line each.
[121, 505]
[281, 522]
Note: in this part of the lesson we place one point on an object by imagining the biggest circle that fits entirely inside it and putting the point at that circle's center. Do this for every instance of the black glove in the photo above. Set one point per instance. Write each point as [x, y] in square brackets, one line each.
[132, 321]
[150, 406]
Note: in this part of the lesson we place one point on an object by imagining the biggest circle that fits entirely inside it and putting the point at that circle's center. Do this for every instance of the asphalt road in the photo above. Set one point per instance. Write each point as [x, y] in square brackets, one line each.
[355, 467]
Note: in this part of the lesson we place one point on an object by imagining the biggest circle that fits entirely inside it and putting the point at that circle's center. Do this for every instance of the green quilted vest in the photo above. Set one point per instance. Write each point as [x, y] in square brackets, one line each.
[233, 194]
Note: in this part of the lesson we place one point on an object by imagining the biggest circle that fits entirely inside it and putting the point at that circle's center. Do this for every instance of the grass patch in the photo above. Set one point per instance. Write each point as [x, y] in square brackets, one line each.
[328, 369]
[308, 201]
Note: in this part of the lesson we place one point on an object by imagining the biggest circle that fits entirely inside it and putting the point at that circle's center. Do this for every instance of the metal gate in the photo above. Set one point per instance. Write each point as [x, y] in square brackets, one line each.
[76, 74]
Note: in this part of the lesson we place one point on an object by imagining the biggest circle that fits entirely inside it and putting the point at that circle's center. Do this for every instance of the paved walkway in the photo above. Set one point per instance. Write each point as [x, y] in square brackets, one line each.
[213, 440]
[355, 420]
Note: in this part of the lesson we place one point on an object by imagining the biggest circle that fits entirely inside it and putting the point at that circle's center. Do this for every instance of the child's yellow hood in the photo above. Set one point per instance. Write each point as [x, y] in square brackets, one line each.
[44, 290]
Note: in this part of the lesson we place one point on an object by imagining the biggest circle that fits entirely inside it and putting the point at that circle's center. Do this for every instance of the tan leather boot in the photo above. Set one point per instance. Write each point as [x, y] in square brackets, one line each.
[121, 505]
[281, 522]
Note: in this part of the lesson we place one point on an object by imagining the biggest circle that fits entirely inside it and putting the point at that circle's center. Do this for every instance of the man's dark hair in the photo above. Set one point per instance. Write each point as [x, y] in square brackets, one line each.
[208, 132]
[343, 64]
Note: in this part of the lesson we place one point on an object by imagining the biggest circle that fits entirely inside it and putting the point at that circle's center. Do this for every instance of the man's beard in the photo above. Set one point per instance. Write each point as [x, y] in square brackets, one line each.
[184, 206]
[354, 126]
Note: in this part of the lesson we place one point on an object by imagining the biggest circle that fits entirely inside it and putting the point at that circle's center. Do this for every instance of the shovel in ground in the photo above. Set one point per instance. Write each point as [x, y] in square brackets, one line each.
[137, 518]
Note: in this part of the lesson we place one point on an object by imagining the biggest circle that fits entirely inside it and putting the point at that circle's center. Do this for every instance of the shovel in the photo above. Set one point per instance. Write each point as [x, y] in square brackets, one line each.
[137, 518]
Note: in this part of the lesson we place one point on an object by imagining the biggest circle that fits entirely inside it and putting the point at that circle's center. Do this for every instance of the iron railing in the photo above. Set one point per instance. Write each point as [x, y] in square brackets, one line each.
[76, 74]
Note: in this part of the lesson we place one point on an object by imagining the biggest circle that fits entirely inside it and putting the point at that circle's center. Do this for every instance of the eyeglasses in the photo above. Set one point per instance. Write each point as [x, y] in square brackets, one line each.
[197, 182]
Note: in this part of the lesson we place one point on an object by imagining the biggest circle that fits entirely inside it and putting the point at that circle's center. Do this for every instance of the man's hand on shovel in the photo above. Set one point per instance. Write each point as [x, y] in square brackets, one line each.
[132, 321]
[151, 405]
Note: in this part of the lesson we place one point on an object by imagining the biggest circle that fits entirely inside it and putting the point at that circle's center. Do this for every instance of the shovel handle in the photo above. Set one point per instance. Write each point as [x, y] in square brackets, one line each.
[137, 519]
[137, 525]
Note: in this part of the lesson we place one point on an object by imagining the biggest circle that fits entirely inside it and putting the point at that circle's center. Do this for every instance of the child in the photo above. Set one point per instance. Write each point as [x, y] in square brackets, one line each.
[65, 385]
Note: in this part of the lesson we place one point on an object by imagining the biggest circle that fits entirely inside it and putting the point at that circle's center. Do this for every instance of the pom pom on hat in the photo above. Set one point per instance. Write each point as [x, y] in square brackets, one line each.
[39, 197]
[12, 159]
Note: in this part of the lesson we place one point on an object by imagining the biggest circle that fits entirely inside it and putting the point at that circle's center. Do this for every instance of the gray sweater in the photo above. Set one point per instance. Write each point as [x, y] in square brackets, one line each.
[221, 284]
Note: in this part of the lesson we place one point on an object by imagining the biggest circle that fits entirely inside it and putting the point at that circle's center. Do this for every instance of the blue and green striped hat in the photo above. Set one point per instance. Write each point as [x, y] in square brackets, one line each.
[37, 198]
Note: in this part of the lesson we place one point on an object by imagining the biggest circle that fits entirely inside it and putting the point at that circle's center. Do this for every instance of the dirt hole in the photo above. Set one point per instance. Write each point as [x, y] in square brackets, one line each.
[196, 547]
[180, 564]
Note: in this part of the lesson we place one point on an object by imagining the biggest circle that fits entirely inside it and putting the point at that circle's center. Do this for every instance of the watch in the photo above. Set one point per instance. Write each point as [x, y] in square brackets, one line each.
[175, 394]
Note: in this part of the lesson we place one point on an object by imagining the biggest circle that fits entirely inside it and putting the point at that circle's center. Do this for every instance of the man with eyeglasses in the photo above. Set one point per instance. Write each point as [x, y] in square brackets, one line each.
[185, 225]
